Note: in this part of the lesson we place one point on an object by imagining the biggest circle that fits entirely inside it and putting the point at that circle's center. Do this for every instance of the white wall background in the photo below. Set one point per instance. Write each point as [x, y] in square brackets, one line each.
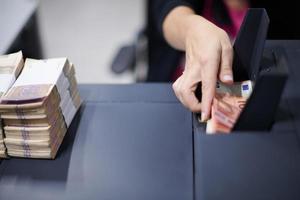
[89, 32]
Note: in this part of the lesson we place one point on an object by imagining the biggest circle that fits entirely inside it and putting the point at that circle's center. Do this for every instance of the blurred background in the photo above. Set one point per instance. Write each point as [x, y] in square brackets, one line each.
[106, 39]
[88, 32]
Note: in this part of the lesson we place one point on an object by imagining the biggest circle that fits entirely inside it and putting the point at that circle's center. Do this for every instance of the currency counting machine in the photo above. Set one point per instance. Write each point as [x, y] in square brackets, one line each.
[138, 141]
[260, 159]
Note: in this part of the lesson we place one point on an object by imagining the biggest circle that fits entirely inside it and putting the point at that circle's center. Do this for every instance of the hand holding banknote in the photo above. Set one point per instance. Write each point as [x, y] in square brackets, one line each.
[209, 56]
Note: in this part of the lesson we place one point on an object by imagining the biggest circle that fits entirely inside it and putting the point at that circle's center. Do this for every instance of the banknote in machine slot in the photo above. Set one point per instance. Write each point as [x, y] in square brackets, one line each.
[231, 111]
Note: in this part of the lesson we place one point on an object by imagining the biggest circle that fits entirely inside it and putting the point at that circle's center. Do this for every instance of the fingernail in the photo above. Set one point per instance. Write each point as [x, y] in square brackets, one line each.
[203, 116]
[227, 78]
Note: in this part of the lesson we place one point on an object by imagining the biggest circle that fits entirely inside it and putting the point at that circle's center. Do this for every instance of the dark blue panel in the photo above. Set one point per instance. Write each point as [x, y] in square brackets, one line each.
[247, 166]
[132, 93]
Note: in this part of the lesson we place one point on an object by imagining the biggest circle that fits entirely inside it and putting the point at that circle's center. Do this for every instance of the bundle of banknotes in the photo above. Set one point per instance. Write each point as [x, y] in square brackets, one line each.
[10, 68]
[39, 107]
[227, 105]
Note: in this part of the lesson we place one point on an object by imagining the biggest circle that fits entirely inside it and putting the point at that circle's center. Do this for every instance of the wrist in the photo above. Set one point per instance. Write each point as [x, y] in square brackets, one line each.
[194, 26]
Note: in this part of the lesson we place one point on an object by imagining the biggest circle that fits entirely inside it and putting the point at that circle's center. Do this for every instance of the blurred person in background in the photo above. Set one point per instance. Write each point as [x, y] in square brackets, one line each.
[204, 30]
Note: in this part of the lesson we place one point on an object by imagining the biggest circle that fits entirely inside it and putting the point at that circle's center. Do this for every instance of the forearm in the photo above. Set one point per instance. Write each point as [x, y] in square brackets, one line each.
[177, 25]
[208, 57]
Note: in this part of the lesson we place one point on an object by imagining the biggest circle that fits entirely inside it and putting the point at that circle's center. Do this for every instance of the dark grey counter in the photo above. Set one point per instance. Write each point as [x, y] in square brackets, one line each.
[127, 142]
[138, 142]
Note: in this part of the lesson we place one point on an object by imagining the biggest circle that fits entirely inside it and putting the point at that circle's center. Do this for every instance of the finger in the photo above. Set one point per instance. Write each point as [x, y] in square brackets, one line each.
[177, 88]
[225, 74]
[184, 88]
[208, 89]
[190, 101]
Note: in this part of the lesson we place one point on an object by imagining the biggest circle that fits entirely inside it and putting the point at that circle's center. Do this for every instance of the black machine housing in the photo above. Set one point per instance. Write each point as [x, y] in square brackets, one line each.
[266, 69]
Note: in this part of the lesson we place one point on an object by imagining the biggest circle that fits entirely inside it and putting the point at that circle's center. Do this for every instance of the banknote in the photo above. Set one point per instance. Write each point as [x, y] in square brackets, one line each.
[227, 105]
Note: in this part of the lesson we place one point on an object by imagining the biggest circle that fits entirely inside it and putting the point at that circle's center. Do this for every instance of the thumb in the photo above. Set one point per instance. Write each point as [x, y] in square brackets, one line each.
[225, 74]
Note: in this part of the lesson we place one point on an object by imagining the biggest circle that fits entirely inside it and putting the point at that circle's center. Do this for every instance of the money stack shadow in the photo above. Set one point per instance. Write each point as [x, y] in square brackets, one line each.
[67, 144]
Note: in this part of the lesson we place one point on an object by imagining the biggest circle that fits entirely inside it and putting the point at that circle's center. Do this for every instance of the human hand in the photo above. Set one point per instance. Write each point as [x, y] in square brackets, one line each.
[209, 57]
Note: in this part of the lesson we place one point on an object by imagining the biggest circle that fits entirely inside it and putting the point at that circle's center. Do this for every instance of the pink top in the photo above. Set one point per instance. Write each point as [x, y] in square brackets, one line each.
[236, 17]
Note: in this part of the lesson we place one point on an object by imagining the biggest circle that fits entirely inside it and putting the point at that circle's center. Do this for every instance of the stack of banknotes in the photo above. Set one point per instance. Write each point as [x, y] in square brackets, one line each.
[227, 105]
[39, 107]
[10, 67]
